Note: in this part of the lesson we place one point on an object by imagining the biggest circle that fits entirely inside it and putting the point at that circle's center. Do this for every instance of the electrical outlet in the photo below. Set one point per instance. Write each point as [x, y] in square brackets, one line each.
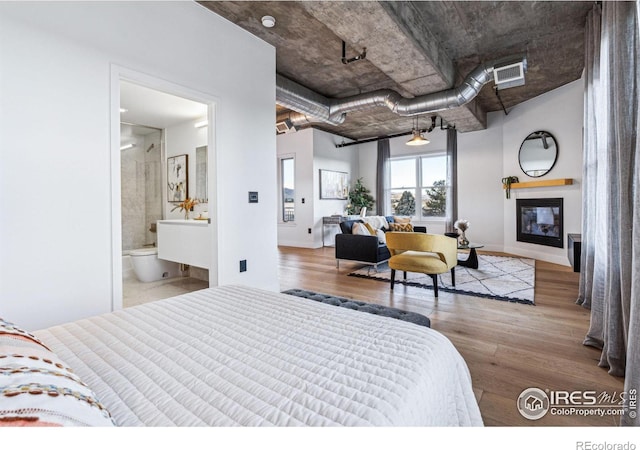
[309, 230]
[243, 265]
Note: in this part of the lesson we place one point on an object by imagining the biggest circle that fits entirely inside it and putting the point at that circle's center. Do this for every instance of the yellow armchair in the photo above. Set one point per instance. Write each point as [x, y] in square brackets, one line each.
[431, 254]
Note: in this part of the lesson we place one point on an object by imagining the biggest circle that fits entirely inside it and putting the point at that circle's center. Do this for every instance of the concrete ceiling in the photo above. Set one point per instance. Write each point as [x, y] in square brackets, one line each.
[416, 48]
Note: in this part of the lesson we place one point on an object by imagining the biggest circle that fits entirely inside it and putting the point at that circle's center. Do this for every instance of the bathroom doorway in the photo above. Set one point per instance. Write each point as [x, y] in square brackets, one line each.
[156, 126]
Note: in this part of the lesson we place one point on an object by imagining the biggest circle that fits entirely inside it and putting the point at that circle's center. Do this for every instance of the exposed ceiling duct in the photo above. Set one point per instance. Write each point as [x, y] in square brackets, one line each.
[313, 107]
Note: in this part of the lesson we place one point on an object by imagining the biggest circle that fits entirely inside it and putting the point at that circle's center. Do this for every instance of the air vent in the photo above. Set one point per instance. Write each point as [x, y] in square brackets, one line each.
[509, 76]
[286, 126]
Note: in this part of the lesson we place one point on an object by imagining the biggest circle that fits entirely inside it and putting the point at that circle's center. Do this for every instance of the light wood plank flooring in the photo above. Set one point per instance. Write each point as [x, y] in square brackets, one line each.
[508, 347]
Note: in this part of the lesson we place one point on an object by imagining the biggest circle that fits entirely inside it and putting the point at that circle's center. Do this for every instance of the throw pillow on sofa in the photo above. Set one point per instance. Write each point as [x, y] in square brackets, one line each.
[360, 228]
[376, 222]
[398, 219]
[406, 227]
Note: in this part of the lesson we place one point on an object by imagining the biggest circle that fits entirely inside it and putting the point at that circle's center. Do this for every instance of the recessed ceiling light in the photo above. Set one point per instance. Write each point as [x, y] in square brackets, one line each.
[123, 110]
[268, 21]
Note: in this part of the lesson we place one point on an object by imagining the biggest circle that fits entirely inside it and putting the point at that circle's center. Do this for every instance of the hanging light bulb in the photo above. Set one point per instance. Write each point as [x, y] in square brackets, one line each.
[417, 138]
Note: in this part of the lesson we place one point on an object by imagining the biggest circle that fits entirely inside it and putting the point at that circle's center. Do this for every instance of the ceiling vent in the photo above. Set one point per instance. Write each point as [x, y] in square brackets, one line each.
[508, 76]
[286, 126]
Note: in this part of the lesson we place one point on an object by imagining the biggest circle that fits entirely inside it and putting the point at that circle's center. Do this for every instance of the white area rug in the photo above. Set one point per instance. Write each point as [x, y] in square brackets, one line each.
[497, 277]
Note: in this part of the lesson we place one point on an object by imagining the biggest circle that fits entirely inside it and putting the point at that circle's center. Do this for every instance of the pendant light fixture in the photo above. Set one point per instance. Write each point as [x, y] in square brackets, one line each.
[417, 138]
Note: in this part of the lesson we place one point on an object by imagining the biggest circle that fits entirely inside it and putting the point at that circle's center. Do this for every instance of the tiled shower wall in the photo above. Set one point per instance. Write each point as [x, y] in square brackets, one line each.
[141, 172]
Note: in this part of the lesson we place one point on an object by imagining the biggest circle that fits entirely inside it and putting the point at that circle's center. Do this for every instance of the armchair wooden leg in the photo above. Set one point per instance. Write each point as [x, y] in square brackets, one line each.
[435, 285]
[453, 276]
[393, 278]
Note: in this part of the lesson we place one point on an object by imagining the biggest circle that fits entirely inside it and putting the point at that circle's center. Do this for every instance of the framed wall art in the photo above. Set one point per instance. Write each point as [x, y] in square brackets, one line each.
[334, 185]
[177, 178]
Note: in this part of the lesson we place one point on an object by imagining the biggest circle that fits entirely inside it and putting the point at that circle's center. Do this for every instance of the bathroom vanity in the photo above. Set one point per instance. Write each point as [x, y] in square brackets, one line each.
[185, 242]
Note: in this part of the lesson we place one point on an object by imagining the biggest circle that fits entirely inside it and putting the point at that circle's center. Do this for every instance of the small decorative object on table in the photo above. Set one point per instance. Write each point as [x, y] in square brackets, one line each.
[462, 226]
[186, 206]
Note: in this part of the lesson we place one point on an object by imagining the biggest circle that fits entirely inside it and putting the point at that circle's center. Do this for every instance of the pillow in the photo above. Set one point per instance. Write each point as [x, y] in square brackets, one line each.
[370, 229]
[382, 238]
[9, 330]
[360, 228]
[37, 388]
[398, 219]
[376, 221]
[401, 227]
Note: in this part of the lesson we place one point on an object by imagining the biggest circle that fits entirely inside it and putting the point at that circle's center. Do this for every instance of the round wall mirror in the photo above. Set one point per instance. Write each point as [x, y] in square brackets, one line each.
[538, 153]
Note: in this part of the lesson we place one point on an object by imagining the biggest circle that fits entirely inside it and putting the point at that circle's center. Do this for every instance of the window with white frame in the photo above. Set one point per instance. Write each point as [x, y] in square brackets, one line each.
[419, 186]
[287, 188]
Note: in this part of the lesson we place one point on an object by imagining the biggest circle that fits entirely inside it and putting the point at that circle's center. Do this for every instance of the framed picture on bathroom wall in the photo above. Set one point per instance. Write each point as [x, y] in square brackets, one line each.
[177, 178]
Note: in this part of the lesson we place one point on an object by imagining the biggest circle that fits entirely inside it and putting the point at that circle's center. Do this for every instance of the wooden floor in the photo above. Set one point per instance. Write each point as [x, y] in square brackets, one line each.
[508, 346]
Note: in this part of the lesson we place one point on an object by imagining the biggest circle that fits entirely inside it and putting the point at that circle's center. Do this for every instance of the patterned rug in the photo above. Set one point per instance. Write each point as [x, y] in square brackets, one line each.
[497, 277]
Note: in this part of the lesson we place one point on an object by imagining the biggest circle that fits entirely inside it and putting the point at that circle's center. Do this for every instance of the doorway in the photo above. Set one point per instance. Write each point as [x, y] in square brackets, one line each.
[154, 125]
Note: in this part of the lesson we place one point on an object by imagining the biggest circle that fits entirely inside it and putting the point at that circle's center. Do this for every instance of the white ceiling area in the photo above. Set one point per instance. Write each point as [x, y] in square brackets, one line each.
[152, 108]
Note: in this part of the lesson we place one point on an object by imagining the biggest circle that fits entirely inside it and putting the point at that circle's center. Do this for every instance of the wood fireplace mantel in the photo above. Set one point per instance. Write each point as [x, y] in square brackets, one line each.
[540, 183]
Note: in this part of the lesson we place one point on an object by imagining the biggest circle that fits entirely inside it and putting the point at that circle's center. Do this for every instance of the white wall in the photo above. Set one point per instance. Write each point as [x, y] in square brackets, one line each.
[313, 150]
[298, 145]
[57, 140]
[182, 139]
[327, 157]
[480, 194]
[487, 156]
[560, 113]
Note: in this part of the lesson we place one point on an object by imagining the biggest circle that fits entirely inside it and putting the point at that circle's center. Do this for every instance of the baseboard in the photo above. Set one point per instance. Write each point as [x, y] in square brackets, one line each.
[541, 256]
[298, 244]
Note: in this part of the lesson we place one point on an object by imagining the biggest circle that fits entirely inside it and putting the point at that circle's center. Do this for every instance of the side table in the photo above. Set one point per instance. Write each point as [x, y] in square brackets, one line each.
[472, 261]
[331, 220]
[574, 248]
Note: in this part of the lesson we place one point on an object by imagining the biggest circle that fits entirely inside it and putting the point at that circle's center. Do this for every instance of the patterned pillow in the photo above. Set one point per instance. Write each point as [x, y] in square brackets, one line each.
[38, 389]
[398, 219]
[401, 227]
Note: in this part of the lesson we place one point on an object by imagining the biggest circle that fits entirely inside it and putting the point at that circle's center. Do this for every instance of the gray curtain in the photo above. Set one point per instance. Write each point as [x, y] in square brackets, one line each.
[383, 178]
[610, 275]
[452, 178]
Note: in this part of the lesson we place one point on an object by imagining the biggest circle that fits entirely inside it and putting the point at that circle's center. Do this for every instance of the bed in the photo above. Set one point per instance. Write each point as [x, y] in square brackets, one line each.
[239, 356]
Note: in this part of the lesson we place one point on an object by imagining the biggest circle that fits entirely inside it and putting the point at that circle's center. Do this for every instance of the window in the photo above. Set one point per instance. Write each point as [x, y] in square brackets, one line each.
[287, 183]
[420, 180]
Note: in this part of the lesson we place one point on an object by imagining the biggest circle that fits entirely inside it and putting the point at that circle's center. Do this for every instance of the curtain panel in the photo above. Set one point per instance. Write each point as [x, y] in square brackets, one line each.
[610, 260]
[452, 178]
[383, 178]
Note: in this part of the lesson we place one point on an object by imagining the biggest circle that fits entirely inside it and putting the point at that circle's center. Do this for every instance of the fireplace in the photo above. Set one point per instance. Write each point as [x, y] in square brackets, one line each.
[539, 221]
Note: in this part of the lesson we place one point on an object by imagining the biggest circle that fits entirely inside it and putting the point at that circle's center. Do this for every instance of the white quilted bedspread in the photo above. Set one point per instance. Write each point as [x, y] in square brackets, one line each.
[239, 356]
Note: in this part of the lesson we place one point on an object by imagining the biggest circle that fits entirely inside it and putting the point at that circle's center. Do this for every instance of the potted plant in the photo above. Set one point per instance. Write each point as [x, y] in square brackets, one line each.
[506, 182]
[359, 197]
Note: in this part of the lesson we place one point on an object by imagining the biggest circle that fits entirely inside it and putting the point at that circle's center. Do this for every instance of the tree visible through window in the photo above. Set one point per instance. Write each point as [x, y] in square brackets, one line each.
[420, 180]
[434, 200]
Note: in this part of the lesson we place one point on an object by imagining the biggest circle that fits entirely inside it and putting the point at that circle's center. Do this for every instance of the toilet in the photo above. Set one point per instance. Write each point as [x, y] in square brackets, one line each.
[148, 267]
